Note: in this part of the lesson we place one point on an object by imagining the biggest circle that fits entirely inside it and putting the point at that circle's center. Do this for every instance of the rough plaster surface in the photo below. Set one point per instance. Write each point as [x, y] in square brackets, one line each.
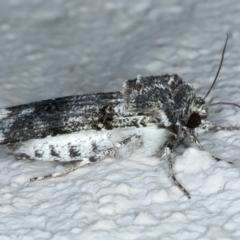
[58, 48]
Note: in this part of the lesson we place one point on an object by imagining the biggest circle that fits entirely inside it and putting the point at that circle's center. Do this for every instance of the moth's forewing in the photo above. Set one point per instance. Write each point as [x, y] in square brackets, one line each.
[58, 116]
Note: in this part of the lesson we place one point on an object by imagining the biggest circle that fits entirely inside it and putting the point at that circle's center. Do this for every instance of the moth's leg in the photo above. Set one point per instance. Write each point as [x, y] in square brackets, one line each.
[219, 128]
[167, 153]
[195, 140]
[87, 160]
[82, 163]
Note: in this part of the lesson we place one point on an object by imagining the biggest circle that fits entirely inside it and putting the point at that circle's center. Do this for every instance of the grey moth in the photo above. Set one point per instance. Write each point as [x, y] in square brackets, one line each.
[149, 117]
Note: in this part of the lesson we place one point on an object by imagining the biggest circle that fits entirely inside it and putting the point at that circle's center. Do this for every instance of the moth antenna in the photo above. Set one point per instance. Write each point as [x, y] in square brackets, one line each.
[219, 68]
[222, 103]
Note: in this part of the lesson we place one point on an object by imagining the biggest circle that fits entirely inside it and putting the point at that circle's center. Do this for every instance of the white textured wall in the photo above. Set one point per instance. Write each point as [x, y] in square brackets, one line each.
[57, 48]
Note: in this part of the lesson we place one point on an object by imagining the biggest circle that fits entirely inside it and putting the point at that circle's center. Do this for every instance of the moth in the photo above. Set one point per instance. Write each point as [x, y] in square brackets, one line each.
[149, 117]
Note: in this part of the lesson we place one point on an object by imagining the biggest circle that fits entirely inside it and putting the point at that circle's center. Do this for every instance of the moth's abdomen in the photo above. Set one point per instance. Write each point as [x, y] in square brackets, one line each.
[70, 147]
[65, 148]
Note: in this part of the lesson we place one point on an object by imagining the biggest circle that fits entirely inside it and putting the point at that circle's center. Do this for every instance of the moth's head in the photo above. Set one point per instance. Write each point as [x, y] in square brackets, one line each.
[198, 113]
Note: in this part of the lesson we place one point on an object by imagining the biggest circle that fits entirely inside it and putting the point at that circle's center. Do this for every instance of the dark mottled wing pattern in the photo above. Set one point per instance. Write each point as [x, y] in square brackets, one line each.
[135, 106]
[58, 116]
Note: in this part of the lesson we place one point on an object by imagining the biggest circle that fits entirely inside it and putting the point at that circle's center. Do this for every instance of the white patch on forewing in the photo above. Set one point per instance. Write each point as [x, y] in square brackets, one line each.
[4, 113]
[171, 80]
[162, 87]
[26, 111]
[121, 108]
[149, 142]
[7, 121]
[139, 77]
[1, 136]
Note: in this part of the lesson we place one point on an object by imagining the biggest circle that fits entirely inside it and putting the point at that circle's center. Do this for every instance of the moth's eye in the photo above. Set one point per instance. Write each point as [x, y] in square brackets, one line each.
[194, 120]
